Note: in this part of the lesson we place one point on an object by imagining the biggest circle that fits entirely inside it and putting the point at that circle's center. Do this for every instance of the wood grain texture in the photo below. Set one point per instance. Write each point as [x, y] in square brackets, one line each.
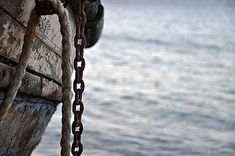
[48, 30]
[31, 84]
[43, 59]
[46, 58]
[24, 125]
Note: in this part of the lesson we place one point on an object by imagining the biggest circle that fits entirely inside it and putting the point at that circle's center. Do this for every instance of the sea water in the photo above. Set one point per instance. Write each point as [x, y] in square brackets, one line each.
[160, 82]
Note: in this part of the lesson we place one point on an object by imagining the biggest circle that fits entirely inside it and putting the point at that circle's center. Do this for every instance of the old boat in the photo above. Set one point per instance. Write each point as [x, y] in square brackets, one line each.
[40, 91]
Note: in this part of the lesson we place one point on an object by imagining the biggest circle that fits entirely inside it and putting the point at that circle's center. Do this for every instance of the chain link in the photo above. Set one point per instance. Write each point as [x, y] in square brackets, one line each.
[78, 84]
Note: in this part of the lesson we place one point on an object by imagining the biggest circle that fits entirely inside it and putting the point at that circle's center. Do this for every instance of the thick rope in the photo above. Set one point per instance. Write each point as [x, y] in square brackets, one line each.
[66, 76]
[16, 80]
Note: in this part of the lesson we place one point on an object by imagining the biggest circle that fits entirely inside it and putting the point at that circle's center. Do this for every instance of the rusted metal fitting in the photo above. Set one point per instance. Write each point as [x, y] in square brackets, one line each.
[43, 7]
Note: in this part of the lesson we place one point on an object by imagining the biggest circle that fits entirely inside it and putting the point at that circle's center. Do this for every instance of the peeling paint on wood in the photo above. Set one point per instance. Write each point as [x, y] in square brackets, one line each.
[10, 39]
[46, 57]
[49, 25]
[43, 59]
[20, 10]
[24, 125]
[31, 84]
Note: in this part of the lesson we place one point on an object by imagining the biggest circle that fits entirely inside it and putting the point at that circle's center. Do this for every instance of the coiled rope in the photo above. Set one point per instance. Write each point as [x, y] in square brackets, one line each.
[66, 71]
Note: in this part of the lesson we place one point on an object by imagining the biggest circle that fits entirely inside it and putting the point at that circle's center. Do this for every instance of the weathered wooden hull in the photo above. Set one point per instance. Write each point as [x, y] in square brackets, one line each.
[26, 121]
[40, 91]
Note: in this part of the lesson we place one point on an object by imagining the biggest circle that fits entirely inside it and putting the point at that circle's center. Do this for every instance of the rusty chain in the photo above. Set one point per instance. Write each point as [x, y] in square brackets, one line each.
[78, 84]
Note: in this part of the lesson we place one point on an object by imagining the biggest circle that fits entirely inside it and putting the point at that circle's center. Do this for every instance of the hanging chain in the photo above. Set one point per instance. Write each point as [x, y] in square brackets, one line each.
[78, 85]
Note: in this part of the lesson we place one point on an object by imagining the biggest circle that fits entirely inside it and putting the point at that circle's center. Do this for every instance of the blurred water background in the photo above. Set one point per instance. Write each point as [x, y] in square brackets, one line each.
[161, 82]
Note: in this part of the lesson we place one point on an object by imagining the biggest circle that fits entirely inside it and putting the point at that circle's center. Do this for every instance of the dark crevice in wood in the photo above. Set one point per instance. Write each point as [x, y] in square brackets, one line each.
[6, 12]
[13, 64]
[33, 96]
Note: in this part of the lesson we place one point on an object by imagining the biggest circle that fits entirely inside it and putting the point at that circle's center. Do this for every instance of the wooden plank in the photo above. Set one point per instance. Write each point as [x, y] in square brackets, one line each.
[31, 84]
[12, 6]
[20, 10]
[48, 30]
[43, 60]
